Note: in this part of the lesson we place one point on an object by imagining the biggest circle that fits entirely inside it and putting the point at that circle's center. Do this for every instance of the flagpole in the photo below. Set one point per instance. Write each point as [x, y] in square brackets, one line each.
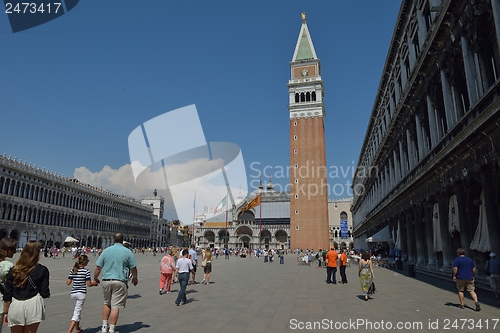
[260, 209]
[227, 218]
[194, 216]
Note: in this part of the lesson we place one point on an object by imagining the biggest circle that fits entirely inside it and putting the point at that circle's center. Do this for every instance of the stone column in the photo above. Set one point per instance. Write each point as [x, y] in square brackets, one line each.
[410, 235]
[404, 78]
[403, 234]
[402, 160]
[495, 5]
[443, 200]
[432, 122]
[431, 256]
[420, 140]
[397, 89]
[433, 3]
[470, 70]
[491, 212]
[392, 105]
[412, 56]
[387, 185]
[422, 28]
[448, 101]
[419, 234]
[465, 239]
[397, 173]
[409, 148]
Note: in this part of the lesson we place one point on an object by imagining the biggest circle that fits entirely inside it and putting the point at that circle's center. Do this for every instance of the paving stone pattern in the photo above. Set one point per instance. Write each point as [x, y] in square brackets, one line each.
[248, 295]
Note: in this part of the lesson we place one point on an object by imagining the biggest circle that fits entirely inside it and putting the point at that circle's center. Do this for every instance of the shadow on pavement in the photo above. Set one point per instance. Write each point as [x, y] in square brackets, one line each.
[484, 296]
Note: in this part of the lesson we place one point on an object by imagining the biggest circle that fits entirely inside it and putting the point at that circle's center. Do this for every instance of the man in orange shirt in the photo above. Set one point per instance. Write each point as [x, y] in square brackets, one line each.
[343, 265]
[331, 266]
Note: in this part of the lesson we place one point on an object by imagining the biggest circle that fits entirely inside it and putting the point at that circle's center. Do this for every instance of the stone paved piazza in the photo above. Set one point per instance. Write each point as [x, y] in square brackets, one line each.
[248, 295]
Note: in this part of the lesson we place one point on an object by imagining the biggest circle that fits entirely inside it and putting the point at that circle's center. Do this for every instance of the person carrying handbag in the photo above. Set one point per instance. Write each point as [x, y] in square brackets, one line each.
[207, 269]
[366, 274]
[26, 286]
[167, 267]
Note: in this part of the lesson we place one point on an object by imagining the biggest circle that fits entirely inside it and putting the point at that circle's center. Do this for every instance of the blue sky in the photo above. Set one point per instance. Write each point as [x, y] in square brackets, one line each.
[73, 89]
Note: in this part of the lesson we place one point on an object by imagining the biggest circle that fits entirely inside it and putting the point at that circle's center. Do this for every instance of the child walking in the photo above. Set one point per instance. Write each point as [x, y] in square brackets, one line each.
[80, 276]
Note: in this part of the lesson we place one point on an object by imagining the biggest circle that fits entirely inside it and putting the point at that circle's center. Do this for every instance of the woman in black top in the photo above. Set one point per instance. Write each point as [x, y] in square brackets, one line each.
[26, 285]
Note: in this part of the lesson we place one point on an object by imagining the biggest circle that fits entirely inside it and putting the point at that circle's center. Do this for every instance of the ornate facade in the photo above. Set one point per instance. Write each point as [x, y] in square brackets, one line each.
[429, 165]
[340, 210]
[267, 226]
[39, 205]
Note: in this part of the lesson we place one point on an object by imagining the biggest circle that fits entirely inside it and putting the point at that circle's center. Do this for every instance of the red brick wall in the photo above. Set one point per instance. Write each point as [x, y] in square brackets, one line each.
[308, 138]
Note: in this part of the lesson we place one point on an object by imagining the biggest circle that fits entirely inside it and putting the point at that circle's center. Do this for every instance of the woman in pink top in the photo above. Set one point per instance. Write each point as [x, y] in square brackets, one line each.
[167, 267]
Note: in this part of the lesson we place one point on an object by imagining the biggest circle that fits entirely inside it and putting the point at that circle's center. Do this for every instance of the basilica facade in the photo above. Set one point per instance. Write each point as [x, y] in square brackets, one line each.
[267, 226]
[430, 155]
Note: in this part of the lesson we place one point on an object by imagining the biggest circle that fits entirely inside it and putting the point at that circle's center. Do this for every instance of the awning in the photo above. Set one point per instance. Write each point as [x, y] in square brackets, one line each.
[382, 236]
[70, 239]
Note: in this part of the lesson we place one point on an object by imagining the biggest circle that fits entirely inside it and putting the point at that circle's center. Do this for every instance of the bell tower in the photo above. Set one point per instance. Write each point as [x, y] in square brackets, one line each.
[308, 173]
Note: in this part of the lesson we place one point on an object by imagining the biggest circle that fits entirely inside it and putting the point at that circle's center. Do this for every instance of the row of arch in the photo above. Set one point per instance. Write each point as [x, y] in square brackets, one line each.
[49, 238]
[280, 235]
[19, 213]
[305, 97]
[37, 193]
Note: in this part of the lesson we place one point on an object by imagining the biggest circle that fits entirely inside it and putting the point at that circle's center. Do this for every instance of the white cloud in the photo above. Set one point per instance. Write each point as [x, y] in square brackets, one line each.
[200, 175]
[119, 181]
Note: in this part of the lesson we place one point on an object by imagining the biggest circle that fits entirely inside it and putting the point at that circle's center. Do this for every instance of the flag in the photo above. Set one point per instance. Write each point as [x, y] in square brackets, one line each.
[255, 202]
[222, 204]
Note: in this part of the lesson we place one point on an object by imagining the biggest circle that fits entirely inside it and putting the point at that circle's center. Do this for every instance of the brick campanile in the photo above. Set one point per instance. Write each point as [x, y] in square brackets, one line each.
[308, 171]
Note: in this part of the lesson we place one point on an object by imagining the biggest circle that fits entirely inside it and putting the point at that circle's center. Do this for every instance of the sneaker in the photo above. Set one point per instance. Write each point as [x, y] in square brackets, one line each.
[169, 292]
[478, 308]
[203, 282]
[160, 292]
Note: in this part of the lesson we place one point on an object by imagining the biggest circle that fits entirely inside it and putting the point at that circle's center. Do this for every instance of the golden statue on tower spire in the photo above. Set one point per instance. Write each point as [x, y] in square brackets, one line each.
[303, 15]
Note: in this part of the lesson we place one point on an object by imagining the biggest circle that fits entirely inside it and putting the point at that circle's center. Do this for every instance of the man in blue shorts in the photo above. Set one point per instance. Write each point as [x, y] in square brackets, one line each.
[463, 275]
